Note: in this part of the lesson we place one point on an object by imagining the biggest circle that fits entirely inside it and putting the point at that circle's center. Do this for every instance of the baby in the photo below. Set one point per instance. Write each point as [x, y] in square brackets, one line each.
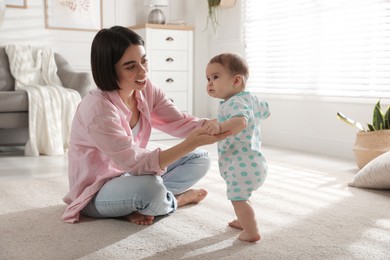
[241, 162]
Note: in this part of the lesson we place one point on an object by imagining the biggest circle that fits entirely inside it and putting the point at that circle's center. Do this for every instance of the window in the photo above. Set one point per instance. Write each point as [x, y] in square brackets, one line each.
[325, 47]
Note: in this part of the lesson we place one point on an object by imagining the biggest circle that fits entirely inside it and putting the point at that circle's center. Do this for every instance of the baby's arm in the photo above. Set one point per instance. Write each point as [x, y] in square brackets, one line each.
[233, 125]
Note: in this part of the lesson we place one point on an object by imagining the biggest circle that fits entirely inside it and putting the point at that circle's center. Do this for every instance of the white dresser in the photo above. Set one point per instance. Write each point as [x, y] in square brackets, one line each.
[169, 49]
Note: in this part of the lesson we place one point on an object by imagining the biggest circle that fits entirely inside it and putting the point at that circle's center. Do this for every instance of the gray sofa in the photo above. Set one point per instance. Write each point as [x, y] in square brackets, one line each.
[14, 104]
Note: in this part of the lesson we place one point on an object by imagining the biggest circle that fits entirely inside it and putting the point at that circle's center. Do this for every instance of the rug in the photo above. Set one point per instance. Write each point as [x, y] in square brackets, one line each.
[302, 213]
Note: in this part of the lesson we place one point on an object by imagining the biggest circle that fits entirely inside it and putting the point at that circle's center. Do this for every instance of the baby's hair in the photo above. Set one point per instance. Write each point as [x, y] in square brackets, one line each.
[234, 63]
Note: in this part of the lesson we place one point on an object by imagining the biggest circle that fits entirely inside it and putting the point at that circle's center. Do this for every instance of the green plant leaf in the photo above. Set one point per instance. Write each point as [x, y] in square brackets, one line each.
[213, 14]
[370, 127]
[387, 118]
[213, 3]
[378, 118]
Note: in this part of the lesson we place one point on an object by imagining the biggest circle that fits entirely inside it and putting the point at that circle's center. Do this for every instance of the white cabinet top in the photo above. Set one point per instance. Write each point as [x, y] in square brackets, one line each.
[162, 26]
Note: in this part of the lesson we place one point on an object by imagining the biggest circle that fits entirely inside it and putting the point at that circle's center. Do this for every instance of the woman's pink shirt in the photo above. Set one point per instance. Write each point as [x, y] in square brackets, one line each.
[102, 145]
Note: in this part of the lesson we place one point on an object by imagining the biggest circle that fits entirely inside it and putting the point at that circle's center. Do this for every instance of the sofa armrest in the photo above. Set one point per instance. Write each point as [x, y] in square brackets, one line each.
[79, 81]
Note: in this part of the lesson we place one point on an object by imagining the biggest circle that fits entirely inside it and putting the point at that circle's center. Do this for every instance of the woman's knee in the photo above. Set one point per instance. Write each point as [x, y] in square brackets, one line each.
[157, 199]
[146, 194]
[154, 190]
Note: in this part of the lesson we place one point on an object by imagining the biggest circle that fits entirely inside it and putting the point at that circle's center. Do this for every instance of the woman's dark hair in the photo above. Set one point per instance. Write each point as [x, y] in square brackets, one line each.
[107, 48]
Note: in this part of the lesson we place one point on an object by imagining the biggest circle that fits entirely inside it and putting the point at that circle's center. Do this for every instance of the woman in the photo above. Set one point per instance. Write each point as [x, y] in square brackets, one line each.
[111, 174]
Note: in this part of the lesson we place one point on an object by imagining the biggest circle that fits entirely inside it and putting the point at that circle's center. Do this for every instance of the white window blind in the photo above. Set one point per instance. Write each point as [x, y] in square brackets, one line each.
[330, 47]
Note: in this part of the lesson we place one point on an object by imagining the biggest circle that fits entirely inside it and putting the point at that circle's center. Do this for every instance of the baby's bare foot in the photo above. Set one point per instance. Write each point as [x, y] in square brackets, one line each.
[245, 236]
[191, 196]
[249, 237]
[235, 224]
[140, 219]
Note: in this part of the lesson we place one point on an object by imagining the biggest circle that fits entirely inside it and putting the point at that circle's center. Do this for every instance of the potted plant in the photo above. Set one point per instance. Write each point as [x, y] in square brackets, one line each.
[213, 9]
[374, 140]
[212, 17]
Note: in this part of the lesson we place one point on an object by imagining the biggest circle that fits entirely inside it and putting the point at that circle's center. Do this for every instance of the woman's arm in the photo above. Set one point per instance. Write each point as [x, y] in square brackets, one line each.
[168, 118]
[195, 139]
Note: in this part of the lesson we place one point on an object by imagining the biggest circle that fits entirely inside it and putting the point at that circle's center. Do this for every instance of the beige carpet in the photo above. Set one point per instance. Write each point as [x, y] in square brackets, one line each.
[303, 214]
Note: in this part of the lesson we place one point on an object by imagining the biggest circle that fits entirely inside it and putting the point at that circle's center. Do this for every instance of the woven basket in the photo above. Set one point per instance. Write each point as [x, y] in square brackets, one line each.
[369, 145]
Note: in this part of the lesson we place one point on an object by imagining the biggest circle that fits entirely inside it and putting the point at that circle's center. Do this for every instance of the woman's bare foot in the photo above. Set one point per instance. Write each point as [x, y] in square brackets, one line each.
[249, 237]
[139, 219]
[235, 224]
[191, 196]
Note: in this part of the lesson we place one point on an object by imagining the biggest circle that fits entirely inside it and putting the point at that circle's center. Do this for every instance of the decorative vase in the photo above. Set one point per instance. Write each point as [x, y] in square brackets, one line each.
[369, 145]
[2, 11]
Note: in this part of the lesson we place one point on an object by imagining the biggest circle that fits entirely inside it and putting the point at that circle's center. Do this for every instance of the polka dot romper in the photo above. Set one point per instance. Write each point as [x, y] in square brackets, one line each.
[241, 162]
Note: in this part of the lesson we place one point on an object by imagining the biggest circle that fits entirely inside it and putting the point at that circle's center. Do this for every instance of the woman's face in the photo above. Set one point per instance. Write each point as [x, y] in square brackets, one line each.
[220, 84]
[132, 69]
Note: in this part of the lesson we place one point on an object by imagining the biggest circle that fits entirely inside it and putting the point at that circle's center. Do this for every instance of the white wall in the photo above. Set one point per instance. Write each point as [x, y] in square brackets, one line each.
[309, 123]
[27, 26]
[304, 123]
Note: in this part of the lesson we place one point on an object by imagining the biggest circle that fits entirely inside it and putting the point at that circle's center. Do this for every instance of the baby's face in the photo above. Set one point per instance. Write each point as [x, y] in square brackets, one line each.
[220, 84]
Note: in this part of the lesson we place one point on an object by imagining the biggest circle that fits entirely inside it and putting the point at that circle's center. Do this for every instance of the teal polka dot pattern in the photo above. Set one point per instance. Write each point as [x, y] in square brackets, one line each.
[241, 161]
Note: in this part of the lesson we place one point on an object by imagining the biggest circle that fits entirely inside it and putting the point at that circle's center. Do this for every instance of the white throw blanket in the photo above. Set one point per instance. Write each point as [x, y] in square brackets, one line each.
[51, 106]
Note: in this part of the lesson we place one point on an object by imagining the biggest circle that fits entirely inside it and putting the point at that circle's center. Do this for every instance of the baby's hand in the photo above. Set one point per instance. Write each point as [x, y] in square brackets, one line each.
[212, 127]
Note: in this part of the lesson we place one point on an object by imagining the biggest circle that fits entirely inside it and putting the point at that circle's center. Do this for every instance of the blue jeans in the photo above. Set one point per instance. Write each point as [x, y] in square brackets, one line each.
[148, 194]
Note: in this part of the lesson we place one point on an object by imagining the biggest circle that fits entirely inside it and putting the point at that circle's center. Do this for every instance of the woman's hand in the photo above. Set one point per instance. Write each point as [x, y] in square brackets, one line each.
[199, 137]
[196, 138]
[212, 127]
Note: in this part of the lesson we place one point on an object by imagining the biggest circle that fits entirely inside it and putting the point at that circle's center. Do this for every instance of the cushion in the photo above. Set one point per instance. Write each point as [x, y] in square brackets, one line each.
[13, 101]
[7, 82]
[375, 175]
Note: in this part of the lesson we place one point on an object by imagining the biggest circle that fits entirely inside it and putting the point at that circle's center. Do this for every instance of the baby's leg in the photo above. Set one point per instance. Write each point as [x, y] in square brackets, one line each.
[246, 221]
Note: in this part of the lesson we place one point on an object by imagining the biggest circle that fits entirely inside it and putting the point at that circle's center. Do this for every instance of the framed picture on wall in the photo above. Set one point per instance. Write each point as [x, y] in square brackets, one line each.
[16, 3]
[73, 14]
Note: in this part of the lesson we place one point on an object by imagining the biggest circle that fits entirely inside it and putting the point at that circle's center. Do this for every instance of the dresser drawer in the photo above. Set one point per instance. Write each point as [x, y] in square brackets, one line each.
[169, 49]
[179, 99]
[168, 60]
[168, 40]
[170, 80]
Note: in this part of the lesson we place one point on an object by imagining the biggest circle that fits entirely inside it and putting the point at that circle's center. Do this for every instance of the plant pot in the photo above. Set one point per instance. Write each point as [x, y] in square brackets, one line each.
[369, 145]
